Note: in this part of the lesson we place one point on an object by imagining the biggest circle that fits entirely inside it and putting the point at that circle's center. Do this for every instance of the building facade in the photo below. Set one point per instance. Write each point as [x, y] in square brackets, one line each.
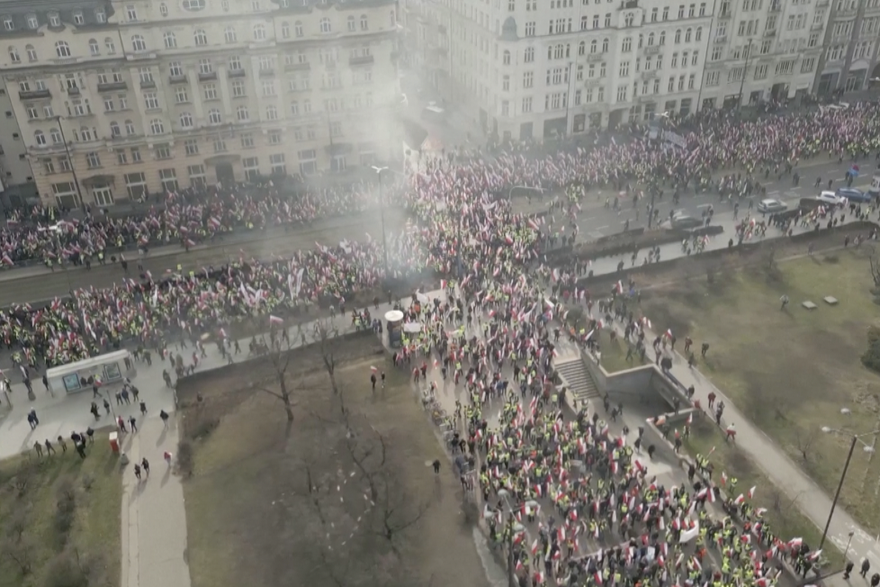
[850, 56]
[16, 177]
[120, 99]
[570, 65]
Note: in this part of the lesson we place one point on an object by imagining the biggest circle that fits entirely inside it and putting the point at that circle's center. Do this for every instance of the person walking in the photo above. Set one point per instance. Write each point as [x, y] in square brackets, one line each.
[866, 566]
[137, 472]
[146, 466]
[167, 456]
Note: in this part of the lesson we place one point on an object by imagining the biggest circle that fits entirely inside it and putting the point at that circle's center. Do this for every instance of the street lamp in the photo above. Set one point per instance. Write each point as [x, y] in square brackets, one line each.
[70, 161]
[742, 81]
[866, 447]
[379, 171]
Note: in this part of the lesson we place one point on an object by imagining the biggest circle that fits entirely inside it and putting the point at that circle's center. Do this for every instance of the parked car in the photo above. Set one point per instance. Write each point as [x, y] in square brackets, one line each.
[683, 221]
[771, 206]
[854, 195]
[830, 198]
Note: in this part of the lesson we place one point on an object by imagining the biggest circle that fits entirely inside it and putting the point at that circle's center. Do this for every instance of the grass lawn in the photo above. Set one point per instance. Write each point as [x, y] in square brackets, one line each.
[791, 371]
[299, 510]
[614, 353]
[783, 515]
[59, 519]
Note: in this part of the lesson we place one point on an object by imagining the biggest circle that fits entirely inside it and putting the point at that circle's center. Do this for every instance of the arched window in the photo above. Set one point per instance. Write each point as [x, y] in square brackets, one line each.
[62, 49]
[678, 36]
[365, 25]
[271, 113]
[94, 47]
[662, 38]
[594, 46]
[214, 116]
[163, 9]
[57, 139]
[138, 44]
[229, 35]
[114, 129]
[298, 29]
[506, 57]
[242, 114]
[157, 127]
[170, 40]
[39, 138]
[699, 35]
[352, 24]
[186, 120]
[325, 25]
[200, 37]
[582, 48]
[687, 35]
[650, 39]
[604, 45]
[259, 32]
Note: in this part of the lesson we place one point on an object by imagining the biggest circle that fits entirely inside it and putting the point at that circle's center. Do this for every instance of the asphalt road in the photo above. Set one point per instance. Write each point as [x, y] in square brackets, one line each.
[594, 221]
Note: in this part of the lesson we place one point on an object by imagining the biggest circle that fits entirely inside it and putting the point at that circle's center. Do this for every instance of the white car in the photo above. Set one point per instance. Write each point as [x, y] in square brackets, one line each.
[830, 198]
[771, 206]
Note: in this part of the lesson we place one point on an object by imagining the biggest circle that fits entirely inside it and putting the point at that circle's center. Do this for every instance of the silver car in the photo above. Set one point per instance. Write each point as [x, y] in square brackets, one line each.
[771, 206]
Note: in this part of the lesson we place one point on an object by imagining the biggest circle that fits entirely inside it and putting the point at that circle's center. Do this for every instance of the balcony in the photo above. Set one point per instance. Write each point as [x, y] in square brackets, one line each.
[235, 73]
[207, 76]
[112, 86]
[649, 74]
[297, 66]
[770, 33]
[652, 50]
[74, 91]
[361, 60]
[720, 40]
[595, 57]
[725, 15]
[35, 95]
[148, 84]
[267, 73]
[177, 79]
[817, 27]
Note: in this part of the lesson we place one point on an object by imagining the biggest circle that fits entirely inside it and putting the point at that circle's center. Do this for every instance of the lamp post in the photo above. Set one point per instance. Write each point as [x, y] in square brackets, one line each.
[70, 161]
[852, 446]
[742, 82]
[379, 171]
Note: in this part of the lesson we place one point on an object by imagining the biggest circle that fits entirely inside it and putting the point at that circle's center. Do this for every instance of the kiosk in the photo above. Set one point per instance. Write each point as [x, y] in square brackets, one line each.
[79, 376]
[393, 326]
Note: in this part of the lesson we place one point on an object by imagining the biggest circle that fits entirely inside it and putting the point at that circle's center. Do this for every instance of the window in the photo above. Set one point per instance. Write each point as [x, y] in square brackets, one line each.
[170, 40]
[219, 144]
[695, 57]
[54, 19]
[298, 29]
[677, 38]
[506, 57]
[662, 38]
[32, 112]
[251, 166]
[110, 46]
[238, 90]
[529, 55]
[186, 120]
[530, 29]
[209, 91]
[131, 12]
[92, 160]
[271, 113]
[624, 69]
[62, 49]
[621, 93]
[103, 195]
[808, 64]
[285, 30]
[100, 16]
[108, 105]
[687, 35]
[39, 138]
[268, 88]
[175, 69]
[267, 63]
[196, 175]
[64, 164]
[242, 114]
[157, 127]
[115, 130]
[352, 24]
[181, 95]
[85, 134]
[206, 66]
[193, 5]
[65, 193]
[14, 56]
[138, 44]
[627, 45]
[699, 34]
[277, 162]
[163, 9]
[191, 147]
[761, 71]
[692, 79]
[94, 48]
[32, 21]
[146, 75]
[129, 128]
[307, 161]
[136, 183]
[259, 32]
[364, 23]
[200, 38]
[325, 25]
[57, 139]
[151, 101]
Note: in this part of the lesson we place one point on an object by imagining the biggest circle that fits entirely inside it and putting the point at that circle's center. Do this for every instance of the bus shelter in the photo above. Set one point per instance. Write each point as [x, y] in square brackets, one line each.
[81, 375]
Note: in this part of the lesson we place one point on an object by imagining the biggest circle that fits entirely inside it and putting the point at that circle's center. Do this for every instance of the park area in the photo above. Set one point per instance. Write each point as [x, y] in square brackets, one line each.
[791, 370]
[343, 495]
[59, 519]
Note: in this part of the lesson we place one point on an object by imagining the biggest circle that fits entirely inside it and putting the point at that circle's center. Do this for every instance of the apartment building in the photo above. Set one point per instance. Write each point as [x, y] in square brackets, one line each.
[117, 100]
[850, 56]
[16, 177]
[763, 50]
[525, 71]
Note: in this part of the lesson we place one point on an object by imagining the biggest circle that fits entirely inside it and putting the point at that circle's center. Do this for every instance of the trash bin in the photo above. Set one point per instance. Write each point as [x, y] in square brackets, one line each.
[114, 442]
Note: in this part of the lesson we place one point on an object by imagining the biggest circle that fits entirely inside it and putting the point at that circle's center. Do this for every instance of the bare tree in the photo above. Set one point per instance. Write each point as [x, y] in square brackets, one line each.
[277, 350]
[804, 440]
[21, 554]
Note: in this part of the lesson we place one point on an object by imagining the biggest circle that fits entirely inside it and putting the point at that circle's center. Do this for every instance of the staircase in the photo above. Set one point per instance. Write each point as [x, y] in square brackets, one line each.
[577, 379]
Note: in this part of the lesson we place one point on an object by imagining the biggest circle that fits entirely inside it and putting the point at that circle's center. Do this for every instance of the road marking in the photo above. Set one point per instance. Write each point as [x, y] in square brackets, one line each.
[703, 205]
[795, 189]
[772, 192]
[598, 228]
